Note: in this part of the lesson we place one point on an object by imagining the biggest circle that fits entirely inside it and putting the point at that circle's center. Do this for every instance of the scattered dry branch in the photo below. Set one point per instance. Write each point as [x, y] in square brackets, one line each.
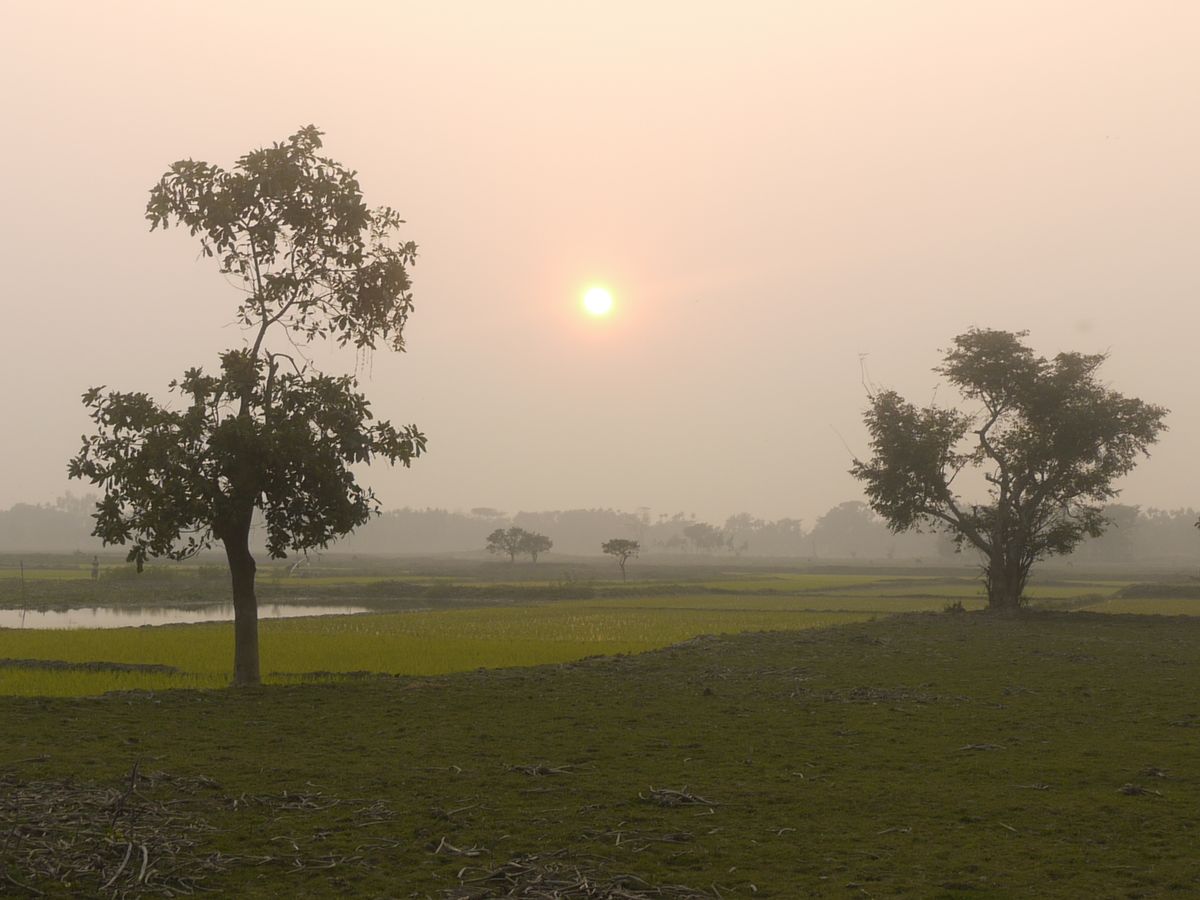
[668, 797]
[549, 876]
[444, 846]
[118, 841]
[100, 841]
[541, 769]
[1136, 790]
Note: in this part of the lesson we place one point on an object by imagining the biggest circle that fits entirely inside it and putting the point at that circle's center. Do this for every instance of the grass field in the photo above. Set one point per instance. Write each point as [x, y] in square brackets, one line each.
[1159, 606]
[953, 756]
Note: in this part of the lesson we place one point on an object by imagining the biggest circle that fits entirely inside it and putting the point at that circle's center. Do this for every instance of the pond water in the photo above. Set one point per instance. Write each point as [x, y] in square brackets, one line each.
[135, 616]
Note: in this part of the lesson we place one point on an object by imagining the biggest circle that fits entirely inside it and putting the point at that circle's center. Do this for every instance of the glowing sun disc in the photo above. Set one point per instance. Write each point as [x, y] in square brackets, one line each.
[598, 301]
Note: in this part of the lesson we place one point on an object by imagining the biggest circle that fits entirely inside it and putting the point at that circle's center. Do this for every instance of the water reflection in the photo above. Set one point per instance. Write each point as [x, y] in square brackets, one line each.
[136, 616]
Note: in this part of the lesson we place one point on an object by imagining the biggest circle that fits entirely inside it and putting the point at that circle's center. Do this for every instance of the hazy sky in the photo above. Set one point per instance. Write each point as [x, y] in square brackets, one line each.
[769, 190]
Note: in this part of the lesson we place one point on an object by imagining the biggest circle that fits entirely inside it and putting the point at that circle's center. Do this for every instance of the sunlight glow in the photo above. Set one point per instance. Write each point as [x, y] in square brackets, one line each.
[598, 301]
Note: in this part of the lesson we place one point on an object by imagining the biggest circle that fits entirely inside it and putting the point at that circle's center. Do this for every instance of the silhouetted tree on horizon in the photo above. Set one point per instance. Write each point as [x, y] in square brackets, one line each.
[850, 529]
[1050, 441]
[535, 544]
[622, 551]
[513, 541]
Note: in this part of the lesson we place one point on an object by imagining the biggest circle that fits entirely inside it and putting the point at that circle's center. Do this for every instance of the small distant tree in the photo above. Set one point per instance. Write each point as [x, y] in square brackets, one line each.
[507, 541]
[263, 434]
[622, 551]
[1050, 438]
[535, 544]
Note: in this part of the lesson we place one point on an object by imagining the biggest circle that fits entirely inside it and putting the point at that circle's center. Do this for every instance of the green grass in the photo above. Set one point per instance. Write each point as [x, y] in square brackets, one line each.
[441, 641]
[786, 582]
[415, 643]
[83, 572]
[814, 602]
[952, 756]
[303, 578]
[973, 587]
[32, 682]
[1160, 606]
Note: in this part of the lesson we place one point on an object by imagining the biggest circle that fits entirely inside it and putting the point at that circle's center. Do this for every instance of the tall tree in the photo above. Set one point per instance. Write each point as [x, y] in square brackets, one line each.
[739, 530]
[850, 529]
[508, 541]
[704, 538]
[622, 551]
[535, 544]
[1049, 439]
[264, 433]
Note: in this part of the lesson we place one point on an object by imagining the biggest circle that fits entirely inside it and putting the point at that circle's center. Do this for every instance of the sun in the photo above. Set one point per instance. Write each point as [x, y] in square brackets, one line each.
[597, 301]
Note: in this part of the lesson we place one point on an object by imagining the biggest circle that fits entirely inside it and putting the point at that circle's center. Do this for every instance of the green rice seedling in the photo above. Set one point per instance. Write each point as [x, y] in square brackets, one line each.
[972, 587]
[1160, 606]
[417, 643]
[57, 574]
[790, 582]
[36, 682]
[814, 602]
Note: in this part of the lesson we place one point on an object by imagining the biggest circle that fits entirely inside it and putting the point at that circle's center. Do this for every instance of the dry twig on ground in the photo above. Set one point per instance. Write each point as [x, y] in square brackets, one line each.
[669, 797]
[550, 876]
[104, 841]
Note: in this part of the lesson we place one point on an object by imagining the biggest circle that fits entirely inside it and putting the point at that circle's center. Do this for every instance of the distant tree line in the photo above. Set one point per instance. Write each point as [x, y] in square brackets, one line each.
[848, 531]
[62, 526]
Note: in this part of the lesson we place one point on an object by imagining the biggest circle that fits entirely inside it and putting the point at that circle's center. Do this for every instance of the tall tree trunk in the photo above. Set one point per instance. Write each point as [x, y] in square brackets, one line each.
[1005, 584]
[245, 605]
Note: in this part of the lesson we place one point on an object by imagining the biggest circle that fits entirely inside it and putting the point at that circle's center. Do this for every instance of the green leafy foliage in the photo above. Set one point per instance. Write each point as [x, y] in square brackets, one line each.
[1050, 441]
[293, 228]
[173, 480]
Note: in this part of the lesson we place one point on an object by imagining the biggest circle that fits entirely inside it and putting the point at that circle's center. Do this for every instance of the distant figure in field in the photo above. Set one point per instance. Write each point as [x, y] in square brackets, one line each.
[95, 567]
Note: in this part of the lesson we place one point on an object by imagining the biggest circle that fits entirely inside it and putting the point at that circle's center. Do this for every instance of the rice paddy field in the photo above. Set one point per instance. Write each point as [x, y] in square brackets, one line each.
[493, 624]
[409, 643]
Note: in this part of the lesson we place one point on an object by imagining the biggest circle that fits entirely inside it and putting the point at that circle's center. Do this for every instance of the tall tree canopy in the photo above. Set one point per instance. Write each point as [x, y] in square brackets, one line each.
[507, 541]
[535, 545]
[264, 433]
[1048, 436]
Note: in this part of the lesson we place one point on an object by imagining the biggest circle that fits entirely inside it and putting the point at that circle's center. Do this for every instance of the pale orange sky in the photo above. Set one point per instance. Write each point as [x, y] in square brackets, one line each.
[769, 189]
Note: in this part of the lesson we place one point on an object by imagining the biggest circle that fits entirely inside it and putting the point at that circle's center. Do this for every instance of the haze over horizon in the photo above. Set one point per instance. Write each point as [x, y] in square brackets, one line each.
[769, 191]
